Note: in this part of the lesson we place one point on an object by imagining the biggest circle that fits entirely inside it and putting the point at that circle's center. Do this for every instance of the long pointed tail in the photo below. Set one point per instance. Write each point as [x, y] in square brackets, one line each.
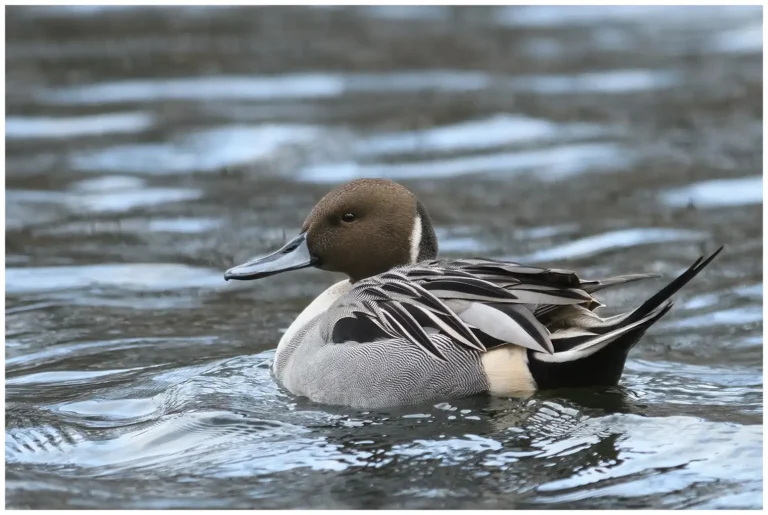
[595, 354]
[670, 289]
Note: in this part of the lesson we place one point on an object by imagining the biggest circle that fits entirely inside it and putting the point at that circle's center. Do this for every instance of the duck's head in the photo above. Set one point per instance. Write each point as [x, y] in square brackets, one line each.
[362, 228]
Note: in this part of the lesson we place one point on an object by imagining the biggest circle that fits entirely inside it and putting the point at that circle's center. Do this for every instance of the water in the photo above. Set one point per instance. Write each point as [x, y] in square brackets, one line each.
[149, 149]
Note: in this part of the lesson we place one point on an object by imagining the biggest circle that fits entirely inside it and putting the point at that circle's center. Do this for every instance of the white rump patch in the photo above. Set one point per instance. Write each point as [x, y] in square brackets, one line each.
[416, 239]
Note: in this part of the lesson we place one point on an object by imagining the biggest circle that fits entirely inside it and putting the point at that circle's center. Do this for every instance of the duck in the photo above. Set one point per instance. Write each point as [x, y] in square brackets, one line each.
[407, 327]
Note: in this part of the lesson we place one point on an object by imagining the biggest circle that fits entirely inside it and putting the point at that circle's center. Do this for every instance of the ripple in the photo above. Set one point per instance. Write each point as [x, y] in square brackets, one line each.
[29, 127]
[744, 40]
[717, 193]
[149, 277]
[184, 443]
[76, 10]
[449, 451]
[70, 350]
[115, 409]
[752, 292]
[140, 226]
[459, 239]
[406, 12]
[599, 243]
[116, 200]
[491, 132]
[125, 201]
[208, 150]
[733, 316]
[62, 376]
[647, 450]
[107, 183]
[132, 385]
[607, 82]
[321, 86]
[184, 225]
[589, 16]
[549, 163]
[290, 86]
[729, 377]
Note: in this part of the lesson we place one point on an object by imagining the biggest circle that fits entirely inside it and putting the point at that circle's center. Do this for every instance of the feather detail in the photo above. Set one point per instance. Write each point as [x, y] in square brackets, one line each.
[481, 304]
[410, 328]
[512, 326]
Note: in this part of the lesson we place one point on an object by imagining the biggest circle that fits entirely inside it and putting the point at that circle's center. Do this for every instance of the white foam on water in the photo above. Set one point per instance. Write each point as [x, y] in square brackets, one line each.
[30, 127]
[717, 193]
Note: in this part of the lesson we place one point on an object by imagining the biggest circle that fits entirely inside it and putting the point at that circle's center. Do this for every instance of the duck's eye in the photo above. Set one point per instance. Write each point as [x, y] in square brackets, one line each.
[348, 217]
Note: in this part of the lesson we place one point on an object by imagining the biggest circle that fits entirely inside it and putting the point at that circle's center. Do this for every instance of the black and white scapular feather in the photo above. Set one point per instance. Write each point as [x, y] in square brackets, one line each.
[482, 304]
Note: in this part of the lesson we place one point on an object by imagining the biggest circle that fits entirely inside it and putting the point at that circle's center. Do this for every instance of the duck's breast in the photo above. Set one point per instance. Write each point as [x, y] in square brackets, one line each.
[293, 335]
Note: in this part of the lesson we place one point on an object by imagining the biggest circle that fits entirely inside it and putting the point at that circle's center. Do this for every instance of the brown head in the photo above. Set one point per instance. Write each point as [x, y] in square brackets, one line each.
[362, 228]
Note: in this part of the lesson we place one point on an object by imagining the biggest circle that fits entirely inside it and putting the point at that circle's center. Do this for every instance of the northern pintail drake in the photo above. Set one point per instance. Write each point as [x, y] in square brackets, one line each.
[409, 328]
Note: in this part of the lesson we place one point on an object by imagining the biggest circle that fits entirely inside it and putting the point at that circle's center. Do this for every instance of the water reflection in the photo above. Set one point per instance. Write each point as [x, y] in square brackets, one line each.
[129, 276]
[17, 127]
[207, 150]
[550, 163]
[717, 193]
[493, 132]
[293, 86]
[625, 238]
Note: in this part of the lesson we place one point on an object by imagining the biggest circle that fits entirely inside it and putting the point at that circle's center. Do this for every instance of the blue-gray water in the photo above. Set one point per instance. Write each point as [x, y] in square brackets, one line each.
[150, 149]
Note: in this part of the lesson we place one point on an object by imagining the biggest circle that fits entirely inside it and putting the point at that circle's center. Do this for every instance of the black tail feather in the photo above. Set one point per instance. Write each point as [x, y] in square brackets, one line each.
[605, 367]
[670, 289]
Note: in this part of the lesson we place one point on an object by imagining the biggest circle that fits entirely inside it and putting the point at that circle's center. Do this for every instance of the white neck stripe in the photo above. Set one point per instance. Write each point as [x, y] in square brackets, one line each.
[416, 239]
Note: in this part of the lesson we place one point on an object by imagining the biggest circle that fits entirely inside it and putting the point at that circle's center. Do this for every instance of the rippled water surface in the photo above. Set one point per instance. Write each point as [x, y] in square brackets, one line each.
[150, 149]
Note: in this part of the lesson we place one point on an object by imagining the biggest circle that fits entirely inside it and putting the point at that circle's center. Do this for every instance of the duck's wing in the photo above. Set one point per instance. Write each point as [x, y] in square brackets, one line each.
[477, 304]
[481, 304]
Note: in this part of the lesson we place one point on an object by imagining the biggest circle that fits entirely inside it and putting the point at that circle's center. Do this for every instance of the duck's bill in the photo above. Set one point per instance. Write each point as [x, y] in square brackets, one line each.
[292, 256]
